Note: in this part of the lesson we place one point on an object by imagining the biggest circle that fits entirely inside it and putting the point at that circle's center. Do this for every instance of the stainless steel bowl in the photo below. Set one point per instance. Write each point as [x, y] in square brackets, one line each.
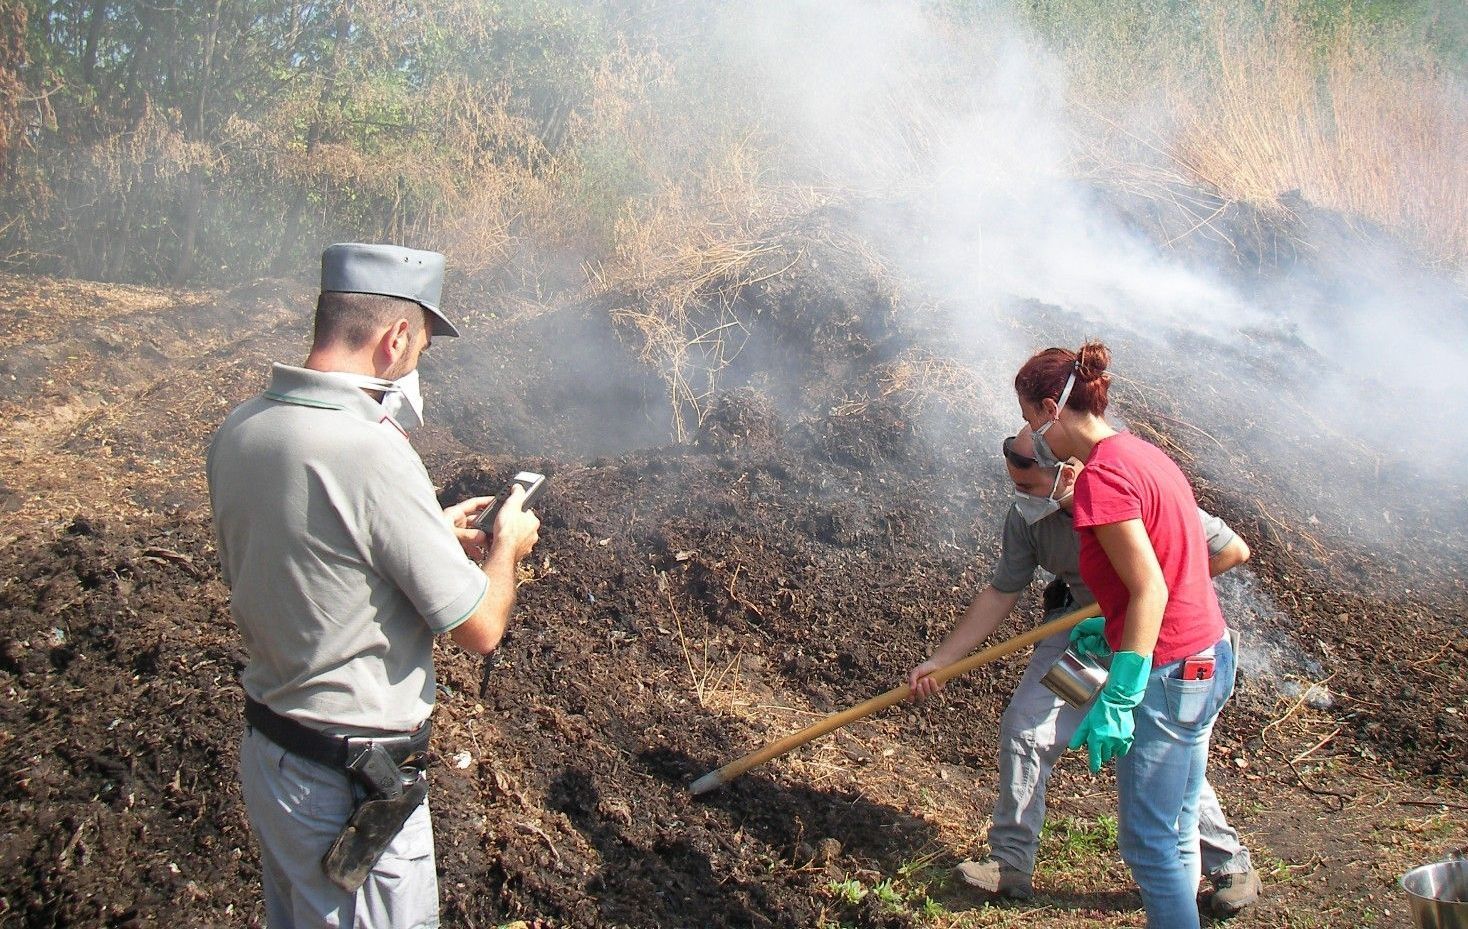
[1439, 894]
[1074, 678]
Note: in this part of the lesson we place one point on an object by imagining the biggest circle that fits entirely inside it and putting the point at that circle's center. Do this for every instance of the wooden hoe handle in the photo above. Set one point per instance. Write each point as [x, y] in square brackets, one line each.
[880, 702]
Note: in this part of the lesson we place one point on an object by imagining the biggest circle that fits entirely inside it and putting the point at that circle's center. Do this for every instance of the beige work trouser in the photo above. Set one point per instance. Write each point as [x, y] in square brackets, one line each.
[296, 809]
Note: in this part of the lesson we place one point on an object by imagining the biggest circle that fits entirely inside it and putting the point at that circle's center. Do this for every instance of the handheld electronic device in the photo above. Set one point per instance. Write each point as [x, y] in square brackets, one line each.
[1198, 669]
[533, 484]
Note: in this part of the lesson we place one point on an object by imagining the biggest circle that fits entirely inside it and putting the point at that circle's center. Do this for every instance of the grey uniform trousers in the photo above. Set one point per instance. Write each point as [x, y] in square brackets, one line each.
[1036, 728]
[296, 809]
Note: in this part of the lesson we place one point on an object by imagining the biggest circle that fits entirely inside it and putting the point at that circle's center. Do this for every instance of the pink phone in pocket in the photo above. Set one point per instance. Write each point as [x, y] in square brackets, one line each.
[1198, 669]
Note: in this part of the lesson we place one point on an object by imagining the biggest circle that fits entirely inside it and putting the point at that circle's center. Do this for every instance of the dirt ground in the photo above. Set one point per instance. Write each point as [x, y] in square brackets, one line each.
[687, 603]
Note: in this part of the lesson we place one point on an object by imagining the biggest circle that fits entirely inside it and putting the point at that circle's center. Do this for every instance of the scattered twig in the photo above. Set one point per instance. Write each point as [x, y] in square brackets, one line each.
[785, 709]
[1160, 439]
[1187, 425]
[1434, 656]
[1340, 798]
[748, 605]
[683, 646]
[1304, 696]
[536, 830]
[1433, 803]
[733, 666]
[1316, 747]
[166, 555]
[1320, 550]
[63, 860]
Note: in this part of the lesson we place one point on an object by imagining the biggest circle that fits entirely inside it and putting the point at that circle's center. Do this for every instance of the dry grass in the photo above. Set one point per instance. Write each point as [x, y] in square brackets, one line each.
[919, 381]
[715, 680]
[918, 378]
[686, 255]
[1253, 105]
[493, 200]
[696, 222]
[1347, 127]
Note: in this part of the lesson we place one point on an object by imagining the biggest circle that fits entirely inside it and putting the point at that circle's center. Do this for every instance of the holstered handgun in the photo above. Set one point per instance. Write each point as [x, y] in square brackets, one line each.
[392, 793]
[1057, 596]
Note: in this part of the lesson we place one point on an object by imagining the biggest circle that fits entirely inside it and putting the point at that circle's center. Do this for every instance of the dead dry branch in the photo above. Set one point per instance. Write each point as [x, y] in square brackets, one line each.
[706, 676]
[918, 379]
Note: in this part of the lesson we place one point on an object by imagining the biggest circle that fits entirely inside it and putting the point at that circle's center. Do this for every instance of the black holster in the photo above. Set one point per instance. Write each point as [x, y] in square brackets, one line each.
[387, 778]
[1056, 597]
[390, 794]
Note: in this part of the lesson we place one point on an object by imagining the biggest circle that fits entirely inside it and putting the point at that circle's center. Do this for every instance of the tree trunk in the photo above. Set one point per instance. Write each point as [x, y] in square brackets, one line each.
[12, 60]
[94, 35]
[194, 197]
[285, 257]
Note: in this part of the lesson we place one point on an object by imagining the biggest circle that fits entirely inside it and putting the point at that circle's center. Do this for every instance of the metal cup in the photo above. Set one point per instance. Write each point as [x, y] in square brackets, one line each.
[1074, 678]
[1439, 894]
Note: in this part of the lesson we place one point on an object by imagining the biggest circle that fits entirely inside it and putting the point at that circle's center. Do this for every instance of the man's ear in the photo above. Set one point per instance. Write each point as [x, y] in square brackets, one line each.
[393, 343]
[1070, 469]
[402, 334]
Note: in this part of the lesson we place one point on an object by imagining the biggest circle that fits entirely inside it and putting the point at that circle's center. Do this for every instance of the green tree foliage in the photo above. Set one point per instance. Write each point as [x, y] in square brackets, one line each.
[212, 141]
[215, 140]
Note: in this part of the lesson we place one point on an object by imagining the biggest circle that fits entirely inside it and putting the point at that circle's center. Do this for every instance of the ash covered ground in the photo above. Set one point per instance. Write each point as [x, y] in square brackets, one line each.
[814, 539]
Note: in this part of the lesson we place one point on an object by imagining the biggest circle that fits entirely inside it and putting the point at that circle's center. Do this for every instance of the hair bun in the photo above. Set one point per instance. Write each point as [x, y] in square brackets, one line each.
[1092, 360]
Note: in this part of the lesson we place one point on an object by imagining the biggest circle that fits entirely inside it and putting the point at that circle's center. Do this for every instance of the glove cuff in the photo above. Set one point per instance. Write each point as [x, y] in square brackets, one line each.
[1096, 625]
[1089, 638]
[1127, 681]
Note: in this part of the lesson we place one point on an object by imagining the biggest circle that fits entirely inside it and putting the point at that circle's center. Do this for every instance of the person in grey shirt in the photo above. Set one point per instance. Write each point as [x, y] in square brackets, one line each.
[1037, 725]
[342, 568]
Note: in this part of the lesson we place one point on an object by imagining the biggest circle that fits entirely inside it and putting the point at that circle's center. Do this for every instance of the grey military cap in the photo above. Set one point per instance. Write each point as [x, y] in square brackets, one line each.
[390, 270]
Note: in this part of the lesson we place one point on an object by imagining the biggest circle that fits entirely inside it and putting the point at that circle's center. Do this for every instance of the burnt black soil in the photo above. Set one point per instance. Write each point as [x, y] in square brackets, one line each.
[813, 540]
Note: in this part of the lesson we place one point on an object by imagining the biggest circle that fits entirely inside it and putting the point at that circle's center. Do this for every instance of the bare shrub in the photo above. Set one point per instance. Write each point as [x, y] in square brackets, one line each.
[698, 221]
[686, 257]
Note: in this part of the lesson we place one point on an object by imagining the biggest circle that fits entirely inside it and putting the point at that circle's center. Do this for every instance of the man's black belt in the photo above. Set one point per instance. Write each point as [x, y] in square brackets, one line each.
[331, 750]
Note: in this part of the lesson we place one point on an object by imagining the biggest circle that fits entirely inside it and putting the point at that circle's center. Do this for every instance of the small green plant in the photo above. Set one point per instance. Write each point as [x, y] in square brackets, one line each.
[1070, 840]
[919, 870]
[850, 890]
[888, 894]
[931, 909]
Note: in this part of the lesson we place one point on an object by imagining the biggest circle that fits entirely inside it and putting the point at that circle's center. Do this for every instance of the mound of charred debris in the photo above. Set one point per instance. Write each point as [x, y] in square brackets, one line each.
[813, 540]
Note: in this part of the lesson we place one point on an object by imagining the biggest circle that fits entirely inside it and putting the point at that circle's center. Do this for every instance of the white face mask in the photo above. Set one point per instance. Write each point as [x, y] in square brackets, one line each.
[1043, 454]
[1034, 508]
[401, 399]
[404, 402]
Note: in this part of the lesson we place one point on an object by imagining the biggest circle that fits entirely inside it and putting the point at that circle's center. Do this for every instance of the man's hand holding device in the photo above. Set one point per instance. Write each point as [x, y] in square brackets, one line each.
[508, 521]
[531, 483]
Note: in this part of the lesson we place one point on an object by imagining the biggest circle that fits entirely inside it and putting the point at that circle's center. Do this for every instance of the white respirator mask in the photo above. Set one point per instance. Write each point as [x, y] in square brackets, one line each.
[401, 399]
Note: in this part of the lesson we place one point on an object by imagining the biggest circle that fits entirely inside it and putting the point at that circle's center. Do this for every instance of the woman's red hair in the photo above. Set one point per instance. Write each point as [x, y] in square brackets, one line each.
[1043, 377]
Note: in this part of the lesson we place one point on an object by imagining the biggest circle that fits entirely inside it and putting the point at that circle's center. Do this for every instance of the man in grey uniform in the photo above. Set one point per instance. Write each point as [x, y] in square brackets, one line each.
[1037, 725]
[342, 567]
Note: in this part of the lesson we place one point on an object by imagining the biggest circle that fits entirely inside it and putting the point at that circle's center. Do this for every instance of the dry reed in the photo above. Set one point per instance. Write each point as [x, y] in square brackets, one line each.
[1257, 105]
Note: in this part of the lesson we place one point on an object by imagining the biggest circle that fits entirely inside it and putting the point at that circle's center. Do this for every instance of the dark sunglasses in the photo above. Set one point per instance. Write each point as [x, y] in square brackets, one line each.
[1023, 462]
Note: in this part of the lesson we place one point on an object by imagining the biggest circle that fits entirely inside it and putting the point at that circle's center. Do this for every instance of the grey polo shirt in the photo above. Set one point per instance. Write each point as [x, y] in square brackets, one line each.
[340, 563]
[1052, 544]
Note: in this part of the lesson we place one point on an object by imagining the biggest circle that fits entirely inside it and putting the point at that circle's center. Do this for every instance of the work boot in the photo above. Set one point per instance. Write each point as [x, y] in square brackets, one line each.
[1232, 893]
[993, 876]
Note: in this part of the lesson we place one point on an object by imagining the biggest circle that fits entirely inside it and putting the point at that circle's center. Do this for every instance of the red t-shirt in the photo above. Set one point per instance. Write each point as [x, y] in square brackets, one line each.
[1127, 478]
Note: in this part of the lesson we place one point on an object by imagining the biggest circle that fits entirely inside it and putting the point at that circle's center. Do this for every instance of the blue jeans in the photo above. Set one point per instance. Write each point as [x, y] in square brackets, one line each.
[1159, 782]
[1033, 733]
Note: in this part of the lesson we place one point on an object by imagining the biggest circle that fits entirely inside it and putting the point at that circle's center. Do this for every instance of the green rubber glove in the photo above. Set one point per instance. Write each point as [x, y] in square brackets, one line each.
[1107, 729]
[1088, 637]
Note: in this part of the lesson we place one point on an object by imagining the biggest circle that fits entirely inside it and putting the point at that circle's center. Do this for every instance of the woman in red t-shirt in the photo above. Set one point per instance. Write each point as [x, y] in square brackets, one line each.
[1144, 556]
